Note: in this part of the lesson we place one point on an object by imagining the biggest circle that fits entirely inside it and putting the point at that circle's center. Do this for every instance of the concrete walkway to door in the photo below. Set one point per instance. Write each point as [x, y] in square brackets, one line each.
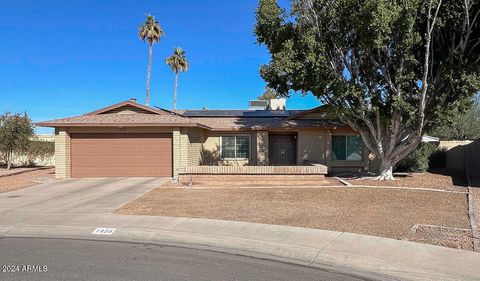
[102, 195]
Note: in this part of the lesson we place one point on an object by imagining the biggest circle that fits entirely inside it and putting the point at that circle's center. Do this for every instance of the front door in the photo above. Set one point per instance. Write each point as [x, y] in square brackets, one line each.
[282, 149]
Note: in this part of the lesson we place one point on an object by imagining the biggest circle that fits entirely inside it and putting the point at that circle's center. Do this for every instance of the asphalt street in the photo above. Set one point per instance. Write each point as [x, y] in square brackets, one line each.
[67, 259]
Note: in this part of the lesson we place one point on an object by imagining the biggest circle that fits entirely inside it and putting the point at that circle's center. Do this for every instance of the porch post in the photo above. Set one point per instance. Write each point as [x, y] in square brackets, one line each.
[262, 148]
[328, 150]
[62, 153]
[180, 150]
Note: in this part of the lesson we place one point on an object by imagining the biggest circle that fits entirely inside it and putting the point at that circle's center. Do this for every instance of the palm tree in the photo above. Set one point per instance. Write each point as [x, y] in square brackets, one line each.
[150, 31]
[177, 62]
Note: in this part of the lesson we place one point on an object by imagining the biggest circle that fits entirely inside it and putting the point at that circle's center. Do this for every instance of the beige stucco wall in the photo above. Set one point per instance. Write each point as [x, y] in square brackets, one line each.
[62, 153]
[311, 146]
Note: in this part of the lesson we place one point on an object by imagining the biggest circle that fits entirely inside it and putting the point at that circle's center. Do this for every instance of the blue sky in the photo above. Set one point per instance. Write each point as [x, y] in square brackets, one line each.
[65, 58]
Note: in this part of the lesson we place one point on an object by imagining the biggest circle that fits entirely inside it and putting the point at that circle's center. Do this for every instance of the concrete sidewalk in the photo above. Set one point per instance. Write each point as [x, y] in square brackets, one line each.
[74, 208]
[367, 254]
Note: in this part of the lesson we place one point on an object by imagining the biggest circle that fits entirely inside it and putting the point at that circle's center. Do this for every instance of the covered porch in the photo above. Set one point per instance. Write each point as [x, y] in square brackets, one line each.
[269, 152]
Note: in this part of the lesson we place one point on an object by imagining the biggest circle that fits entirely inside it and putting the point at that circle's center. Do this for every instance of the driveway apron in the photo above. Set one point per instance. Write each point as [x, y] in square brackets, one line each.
[71, 196]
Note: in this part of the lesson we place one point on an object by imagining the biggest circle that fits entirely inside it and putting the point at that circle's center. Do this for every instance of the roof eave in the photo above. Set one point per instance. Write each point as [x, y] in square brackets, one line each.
[57, 125]
[326, 127]
[132, 103]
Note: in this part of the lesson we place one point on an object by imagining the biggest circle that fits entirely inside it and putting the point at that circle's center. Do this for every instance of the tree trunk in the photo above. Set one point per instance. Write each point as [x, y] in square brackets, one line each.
[149, 68]
[9, 160]
[386, 170]
[175, 92]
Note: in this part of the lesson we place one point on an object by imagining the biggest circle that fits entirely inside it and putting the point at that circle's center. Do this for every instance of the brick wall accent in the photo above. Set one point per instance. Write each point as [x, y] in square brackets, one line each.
[253, 180]
[256, 170]
[195, 145]
[62, 153]
[180, 150]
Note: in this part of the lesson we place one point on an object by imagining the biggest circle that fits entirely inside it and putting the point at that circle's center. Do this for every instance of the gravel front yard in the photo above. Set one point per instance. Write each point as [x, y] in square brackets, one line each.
[437, 180]
[4, 171]
[25, 179]
[382, 212]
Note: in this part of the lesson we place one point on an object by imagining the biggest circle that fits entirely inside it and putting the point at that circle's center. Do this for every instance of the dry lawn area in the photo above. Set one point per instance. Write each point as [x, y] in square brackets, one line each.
[4, 171]
[25, 179]
[382, 212]
[437, 180]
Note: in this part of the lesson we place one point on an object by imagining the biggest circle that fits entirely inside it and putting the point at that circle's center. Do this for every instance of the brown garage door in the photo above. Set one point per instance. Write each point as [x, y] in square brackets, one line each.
[121, 155]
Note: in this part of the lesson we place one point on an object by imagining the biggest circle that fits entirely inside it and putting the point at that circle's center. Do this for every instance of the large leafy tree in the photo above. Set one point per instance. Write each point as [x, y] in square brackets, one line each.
[15, 134]
[463, 126]
[268, 94]
[389, 68]
[150, 31]
[177, 62]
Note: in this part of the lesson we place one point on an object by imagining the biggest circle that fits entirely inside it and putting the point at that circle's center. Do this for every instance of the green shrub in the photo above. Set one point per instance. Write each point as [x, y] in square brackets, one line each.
[39, 150]
[418, 160]
[16, 130]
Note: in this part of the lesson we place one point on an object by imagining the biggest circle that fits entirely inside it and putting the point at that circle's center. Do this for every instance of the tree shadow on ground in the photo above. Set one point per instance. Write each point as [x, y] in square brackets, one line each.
[458, 177]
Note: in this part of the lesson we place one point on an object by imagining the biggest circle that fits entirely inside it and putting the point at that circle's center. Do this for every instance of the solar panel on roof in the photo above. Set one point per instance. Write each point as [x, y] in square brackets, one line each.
[240, 113]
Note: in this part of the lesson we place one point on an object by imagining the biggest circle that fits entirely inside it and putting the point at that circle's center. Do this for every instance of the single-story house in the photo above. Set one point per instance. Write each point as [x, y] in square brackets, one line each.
[129, 139]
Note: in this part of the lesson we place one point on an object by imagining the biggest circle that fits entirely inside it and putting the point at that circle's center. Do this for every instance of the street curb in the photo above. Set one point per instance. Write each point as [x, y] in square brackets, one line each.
[471, 214]
[473, 222]
[390, 267]
[253, 248]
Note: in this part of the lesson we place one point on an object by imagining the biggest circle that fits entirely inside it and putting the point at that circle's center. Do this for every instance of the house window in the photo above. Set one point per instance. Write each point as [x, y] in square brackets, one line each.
[348, 148]
[235, 146]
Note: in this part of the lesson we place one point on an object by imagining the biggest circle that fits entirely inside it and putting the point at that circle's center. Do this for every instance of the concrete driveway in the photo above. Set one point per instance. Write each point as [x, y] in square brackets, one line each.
[87, 196]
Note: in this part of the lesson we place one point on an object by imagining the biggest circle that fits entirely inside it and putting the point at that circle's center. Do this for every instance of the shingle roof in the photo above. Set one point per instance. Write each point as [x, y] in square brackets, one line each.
[208, 119]
[138, 119]
[234, 123]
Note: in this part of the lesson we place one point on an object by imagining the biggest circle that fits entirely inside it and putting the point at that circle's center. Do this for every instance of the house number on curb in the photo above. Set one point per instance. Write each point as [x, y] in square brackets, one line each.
[103, 231]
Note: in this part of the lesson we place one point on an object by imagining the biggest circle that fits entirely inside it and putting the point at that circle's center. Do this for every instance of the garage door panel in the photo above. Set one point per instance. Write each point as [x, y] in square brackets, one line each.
[121, 155]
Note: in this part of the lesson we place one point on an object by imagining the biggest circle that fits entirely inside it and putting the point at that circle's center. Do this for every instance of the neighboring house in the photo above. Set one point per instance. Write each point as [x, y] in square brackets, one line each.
[44, 137]
[130, 139]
